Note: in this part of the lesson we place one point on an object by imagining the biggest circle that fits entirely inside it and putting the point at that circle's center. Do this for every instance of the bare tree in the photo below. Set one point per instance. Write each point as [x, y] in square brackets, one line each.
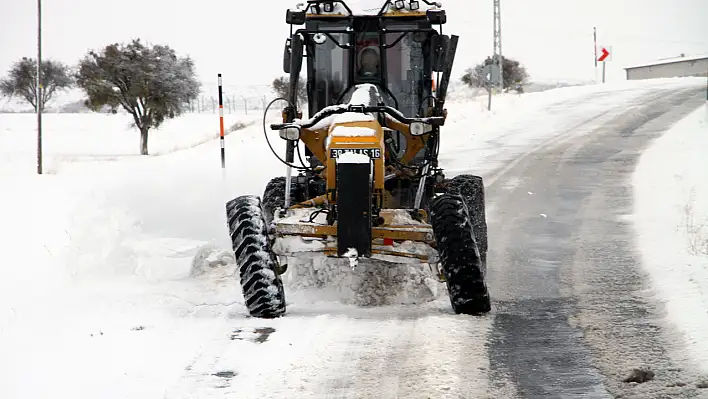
[281, 87]
[22, 81]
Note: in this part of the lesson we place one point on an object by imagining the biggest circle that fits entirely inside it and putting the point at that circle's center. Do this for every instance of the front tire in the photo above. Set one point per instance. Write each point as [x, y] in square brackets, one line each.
[261, 285]
[459, 255]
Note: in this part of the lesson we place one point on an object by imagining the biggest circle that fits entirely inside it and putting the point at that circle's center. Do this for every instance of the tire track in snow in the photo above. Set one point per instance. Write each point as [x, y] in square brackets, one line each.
[345, 352]
[433, 354]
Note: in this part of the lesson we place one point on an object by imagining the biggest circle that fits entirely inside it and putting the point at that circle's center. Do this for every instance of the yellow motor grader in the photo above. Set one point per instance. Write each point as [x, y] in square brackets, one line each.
[370, 185]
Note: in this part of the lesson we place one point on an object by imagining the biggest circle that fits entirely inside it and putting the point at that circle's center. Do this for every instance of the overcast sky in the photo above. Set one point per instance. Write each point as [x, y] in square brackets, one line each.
[552, 38]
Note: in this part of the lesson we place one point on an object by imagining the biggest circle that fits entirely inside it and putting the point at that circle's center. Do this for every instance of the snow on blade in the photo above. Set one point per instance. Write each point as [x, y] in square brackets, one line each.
[370, 282]
[353, 255]
[671, 219]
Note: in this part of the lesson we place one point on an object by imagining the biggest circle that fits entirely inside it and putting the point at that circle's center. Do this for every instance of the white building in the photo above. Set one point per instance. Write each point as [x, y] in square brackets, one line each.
[670, 68]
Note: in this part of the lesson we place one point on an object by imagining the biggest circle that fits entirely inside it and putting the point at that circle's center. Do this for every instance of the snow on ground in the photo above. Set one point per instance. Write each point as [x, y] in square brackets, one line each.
[490, 141]
[117, 277]
[671, 218]
[69, 138]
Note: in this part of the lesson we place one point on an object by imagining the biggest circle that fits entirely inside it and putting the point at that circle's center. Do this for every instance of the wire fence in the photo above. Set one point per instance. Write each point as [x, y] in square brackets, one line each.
[237, 99]
[232, 104]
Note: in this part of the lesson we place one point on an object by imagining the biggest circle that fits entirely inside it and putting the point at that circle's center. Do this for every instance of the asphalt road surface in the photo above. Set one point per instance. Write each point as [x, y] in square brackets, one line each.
[570, 317]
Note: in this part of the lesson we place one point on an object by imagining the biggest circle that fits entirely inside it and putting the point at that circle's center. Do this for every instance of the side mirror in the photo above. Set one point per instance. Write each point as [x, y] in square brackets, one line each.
[295, 17]
[439, 45]
[286, 56]
[436, 17]
[296, 53]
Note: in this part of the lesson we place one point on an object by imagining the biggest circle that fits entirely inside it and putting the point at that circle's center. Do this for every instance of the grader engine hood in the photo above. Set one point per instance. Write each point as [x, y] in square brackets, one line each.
[356, 133]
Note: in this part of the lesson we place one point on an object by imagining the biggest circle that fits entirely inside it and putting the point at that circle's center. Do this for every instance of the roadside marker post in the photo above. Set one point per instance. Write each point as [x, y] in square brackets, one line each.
[221, 126]
[605, 56]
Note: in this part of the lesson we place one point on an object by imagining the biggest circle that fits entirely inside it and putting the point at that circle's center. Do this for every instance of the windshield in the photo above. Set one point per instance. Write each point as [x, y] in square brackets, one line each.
[403, 65]
[405, 71]
[329, 72]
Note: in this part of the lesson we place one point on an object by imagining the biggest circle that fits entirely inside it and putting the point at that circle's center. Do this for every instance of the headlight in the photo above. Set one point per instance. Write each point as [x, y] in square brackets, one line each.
[290, 133]
[319, 38]
[417, 128]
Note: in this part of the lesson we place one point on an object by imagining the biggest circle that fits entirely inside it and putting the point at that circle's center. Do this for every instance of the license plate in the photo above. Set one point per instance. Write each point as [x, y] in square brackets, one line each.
[374, 153]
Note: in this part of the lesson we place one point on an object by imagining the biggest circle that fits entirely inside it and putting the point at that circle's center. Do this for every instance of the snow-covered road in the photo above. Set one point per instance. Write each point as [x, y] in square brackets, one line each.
[99, 295]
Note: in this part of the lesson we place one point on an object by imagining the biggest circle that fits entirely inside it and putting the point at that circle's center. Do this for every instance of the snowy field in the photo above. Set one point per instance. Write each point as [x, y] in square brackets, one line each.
[117, 277]
[671, 218]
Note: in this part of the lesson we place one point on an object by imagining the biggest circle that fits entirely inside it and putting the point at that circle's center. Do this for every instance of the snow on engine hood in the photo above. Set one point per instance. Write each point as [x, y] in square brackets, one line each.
[362, 94]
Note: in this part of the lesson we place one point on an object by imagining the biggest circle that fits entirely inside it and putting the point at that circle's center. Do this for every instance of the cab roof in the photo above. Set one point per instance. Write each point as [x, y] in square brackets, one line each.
[316, 9]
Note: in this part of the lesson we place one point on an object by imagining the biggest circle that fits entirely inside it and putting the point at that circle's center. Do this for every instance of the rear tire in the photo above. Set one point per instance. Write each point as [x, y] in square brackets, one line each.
[471, 189]
[260, 283]
[459, 255]
[274, 196]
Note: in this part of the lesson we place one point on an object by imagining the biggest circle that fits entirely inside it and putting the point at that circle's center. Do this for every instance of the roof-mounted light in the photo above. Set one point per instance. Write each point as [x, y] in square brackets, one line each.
[399, 4]
[328, 6]
[414, 5]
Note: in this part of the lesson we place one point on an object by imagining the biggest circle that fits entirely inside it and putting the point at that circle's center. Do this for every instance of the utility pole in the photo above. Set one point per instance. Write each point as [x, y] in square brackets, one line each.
[594, 41]
[38, 86]
[498, 44]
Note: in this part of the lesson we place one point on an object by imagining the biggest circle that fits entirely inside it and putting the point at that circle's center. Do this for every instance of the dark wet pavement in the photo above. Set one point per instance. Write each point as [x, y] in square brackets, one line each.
[570, 317]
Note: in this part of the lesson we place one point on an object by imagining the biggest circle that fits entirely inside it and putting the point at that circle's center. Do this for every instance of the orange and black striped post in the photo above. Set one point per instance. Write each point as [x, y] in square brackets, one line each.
[221, 125]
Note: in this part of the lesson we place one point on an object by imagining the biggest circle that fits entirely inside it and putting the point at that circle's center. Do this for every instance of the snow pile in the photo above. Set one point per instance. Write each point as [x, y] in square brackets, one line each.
[90, 302]
[671, 218]
[362, 281]
[33, 217]
[369, 283]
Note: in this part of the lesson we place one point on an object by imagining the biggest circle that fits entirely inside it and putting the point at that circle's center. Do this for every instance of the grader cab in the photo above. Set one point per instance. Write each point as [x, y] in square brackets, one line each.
[369, 185]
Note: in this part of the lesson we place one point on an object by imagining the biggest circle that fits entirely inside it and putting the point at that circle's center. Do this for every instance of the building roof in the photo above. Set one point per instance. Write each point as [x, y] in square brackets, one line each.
[670, 61]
